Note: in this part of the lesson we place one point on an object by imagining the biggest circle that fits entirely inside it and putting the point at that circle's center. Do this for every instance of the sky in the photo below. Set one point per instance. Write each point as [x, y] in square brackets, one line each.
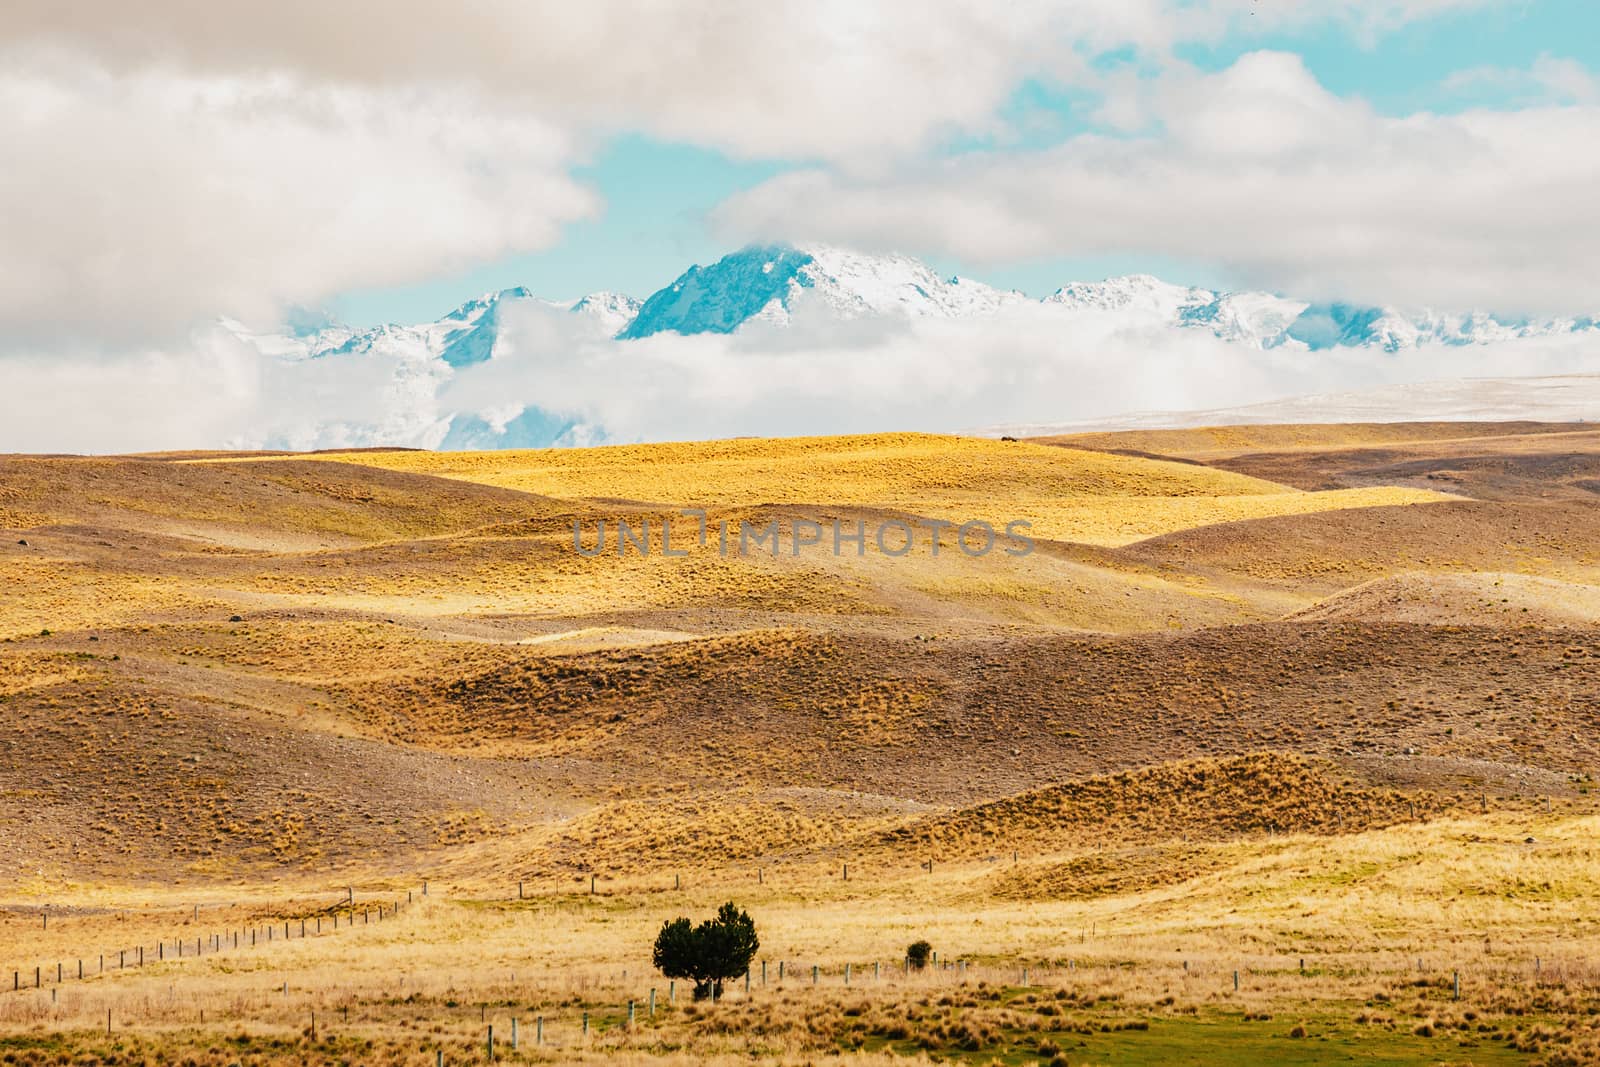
[658, 194]
[177, 162]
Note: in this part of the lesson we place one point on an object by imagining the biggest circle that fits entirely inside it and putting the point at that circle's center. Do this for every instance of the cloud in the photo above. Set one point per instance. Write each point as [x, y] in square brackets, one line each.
[1030, 364]
[214, 390]
[833, 79]
[1548, 80]
[175, 160]
[1260, 169]
[138, 205]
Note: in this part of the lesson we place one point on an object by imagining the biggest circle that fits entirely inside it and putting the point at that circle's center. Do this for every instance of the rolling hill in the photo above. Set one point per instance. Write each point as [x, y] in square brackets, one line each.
[370, 662]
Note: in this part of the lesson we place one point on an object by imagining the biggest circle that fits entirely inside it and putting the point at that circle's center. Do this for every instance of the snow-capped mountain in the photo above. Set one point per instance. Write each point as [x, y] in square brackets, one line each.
[436, 391]
[769, 283]
[1258, 319]
[772, 283]
[465, 336]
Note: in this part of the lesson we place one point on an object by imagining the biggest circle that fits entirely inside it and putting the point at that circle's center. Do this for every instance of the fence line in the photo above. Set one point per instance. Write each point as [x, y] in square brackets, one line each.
[200, 946]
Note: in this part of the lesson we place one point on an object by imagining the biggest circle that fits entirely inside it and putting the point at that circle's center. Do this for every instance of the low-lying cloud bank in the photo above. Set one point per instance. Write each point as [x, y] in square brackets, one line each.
[556, 378]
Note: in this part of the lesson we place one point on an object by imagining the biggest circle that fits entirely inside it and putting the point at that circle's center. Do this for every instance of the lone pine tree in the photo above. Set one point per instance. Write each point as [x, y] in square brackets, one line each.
[718, 949]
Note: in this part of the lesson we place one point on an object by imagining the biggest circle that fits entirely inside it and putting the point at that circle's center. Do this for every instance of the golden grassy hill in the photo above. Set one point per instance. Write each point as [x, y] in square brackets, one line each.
[1285, 727]
[879, 470]
[368, 661]
[1066, 495]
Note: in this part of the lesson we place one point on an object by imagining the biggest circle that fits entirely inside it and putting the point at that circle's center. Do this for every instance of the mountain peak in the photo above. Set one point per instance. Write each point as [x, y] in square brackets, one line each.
[1135, 292]
[723, 296]
[767, 282]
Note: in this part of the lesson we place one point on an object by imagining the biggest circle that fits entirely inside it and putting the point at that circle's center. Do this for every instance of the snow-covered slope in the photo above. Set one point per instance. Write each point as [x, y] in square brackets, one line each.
[461, 338]
[457, 382]
[1135, 294]
[770, 283]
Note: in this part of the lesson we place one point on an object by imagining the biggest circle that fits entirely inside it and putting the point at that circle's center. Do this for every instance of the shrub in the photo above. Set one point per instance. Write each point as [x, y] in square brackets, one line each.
[718, 949]
[917, 953]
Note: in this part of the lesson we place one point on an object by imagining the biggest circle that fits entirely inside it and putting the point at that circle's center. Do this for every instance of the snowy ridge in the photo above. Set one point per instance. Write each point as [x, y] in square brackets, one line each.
[772, 283]
[443, 401]
[464, 336]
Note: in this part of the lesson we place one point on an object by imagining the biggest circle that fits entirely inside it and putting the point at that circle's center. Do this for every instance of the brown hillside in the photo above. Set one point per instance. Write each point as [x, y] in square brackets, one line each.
[287, 667]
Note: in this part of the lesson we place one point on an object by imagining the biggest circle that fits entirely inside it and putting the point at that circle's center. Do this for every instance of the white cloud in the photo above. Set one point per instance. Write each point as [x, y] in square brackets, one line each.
[1548, 80]
[212, 390]
[1029, 364]
[1262, 170]
[174, 160]
[793, 78]
[138, 205]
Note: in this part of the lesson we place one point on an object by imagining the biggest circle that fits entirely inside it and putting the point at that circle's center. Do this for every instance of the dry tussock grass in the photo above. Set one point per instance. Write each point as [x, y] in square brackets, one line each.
[1204, 800]
[423, 678]
[1211, 440]
[1132, 973]
[880, 470]
[1066, 494]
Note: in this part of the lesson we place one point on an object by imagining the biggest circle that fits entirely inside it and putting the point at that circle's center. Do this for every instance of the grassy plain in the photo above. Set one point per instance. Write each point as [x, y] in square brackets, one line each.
[1259, 695]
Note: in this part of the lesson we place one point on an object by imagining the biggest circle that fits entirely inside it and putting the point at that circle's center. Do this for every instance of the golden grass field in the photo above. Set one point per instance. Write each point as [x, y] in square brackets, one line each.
[1258, 696]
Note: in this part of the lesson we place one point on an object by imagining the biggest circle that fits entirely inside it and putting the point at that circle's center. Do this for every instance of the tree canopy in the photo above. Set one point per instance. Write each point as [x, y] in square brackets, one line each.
[710, 953]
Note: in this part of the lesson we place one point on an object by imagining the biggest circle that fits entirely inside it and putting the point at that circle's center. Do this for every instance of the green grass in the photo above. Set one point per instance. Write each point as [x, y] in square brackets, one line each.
[1172, 1043]
[1232, 1040]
